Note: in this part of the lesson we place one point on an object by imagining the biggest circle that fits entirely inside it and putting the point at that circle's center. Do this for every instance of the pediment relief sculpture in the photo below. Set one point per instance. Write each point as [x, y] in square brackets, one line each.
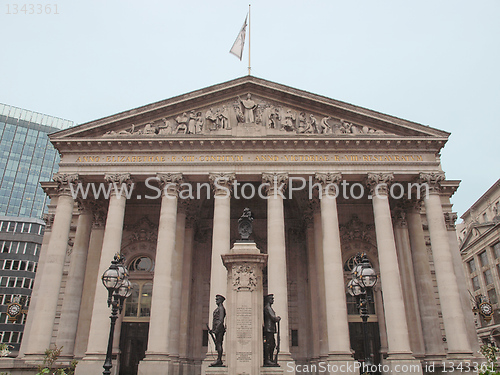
[256, 116]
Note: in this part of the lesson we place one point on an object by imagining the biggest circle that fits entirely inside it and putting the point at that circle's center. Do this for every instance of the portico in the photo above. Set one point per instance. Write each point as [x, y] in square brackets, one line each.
[321, 191]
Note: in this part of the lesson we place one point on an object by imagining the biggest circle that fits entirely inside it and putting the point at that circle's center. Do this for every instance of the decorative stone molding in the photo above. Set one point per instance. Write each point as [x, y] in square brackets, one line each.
[222, 182]
[170, 182]
[432, 181]
[70, 246]
[379, 181]
[450, 218]
[276, 182]
[355, 229]
[65, 182]
[119, 179]
[49, 220]
[143, 230]
[244, 278]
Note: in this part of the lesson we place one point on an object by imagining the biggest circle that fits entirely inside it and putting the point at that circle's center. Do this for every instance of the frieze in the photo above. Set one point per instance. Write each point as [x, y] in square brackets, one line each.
[248, 115]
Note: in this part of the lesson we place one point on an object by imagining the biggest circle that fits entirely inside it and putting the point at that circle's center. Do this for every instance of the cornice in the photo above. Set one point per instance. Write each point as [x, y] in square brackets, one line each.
[158, 143]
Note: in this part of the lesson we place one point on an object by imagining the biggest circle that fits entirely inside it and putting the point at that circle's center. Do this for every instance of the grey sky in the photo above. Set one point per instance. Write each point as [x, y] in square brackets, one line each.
[432, 62]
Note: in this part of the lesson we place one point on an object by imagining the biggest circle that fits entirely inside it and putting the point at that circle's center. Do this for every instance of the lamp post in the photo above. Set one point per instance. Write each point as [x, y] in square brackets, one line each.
[116, 281]
[363, 280]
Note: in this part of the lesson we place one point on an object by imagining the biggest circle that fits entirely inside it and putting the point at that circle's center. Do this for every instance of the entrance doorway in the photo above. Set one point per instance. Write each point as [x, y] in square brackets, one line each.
[357, 341]
[133, 345]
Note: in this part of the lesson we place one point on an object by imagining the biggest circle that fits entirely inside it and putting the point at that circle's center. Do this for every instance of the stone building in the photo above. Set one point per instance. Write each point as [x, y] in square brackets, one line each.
[214, 152]
[479, 236]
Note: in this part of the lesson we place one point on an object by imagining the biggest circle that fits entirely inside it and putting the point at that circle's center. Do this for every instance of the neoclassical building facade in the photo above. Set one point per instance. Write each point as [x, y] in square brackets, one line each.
[190, 165]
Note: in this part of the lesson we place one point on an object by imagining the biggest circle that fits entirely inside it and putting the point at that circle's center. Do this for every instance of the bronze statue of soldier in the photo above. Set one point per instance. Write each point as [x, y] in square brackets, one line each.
[218, 329]
[270, 320]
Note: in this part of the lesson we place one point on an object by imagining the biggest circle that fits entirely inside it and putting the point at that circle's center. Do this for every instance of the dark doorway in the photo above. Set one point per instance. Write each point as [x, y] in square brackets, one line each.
[357, 344]
[133, 345]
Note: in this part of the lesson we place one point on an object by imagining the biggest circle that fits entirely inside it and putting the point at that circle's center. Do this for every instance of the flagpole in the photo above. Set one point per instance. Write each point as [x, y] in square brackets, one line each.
[249, 66]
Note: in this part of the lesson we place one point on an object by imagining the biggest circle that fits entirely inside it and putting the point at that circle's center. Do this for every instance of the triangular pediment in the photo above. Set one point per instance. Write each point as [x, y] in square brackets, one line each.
[248, 107]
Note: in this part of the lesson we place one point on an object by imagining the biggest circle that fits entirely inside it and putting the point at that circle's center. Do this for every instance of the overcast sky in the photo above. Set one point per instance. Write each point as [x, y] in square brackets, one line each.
[433, 62]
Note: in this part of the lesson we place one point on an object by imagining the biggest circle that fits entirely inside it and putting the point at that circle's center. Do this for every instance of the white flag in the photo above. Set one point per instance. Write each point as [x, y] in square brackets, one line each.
[239, 43]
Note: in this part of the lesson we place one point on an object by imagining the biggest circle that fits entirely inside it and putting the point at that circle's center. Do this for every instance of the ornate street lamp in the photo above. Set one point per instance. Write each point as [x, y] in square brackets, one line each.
[363, 280]
[116, 281]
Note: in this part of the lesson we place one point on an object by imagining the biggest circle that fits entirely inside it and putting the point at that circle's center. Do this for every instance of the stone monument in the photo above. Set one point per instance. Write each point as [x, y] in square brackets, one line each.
[244, 263]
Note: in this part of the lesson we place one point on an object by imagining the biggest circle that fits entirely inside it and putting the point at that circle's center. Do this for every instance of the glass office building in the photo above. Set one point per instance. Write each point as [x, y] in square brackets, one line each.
[26, 157]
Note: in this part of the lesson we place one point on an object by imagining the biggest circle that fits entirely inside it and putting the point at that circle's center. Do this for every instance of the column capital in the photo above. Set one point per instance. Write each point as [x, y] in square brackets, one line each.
[379, 183]
[49, 220]
[64, 182]
[276, 181]
[222, 182]
[432, 180]
[328, 180]
[399, 216]
[99, 213]
[170, 182]
[119, 179]
[450, 218]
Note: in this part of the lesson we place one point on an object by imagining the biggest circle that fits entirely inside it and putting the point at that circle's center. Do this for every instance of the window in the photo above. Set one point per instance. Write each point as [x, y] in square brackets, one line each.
[488, 277]
[139, 303]
[496, 249]
[472, 265]
[141, 264]
[492, 295]
[475, 283]
[483, 257]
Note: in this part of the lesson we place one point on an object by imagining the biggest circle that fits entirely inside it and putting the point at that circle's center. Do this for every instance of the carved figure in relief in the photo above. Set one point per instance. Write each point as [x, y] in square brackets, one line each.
[248, 108]
[149, 129]
[270, 320]
[211, 118]
[166, 128]
[199, 123]
[289, 123]
[223, 118]
[313, 124]
[191, 128]
[274, 118]
[182, 121]
[218, 328]
[325, 128]
[302, 126]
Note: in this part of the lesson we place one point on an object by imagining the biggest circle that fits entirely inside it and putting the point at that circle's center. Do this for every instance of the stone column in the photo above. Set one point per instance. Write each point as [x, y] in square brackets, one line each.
[450, 218]
[50, 280]
[99, 212]
[408, 280]
[395, 316]
[276, 270]
[49, 220]
[187, 268]
[337, 324]
[176, 296]
[162, 305]
[449, 295]
[320, 279]
[99, 326]
[434, 348]
[221, 237]
[313, 287]
[68, 322]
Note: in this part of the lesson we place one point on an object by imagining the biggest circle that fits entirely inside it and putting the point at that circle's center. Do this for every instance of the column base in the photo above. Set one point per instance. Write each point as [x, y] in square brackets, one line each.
[274, 371]
[92, 364]
[154, 364]
[399, 365]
